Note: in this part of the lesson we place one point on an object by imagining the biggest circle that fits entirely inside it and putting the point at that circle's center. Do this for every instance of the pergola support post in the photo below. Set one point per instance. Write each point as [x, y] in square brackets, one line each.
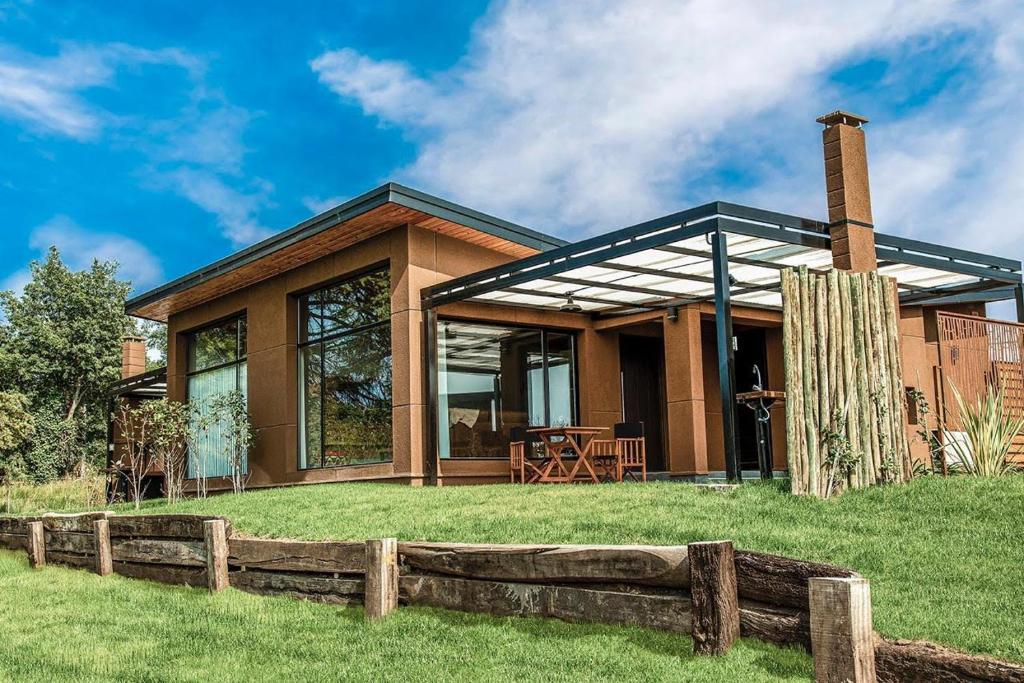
[1018, 295]
[726, 357]
[430, 378]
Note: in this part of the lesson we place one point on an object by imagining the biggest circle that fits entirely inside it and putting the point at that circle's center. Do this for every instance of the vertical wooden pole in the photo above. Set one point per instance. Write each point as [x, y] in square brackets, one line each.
[381, 577]
[216, 554]
[715, 619]
[842, 637]
[104, 561]
[36, 545]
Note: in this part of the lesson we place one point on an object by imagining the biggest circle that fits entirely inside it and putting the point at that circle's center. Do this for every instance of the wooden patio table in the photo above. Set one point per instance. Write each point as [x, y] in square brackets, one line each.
[558, 440]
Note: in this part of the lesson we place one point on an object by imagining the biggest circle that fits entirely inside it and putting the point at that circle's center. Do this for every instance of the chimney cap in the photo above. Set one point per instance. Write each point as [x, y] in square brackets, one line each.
[844, 117]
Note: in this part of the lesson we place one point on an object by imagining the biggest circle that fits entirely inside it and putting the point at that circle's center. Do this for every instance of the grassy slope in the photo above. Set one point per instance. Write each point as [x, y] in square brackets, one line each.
[945, 556]
[63, 494]
[62, 624]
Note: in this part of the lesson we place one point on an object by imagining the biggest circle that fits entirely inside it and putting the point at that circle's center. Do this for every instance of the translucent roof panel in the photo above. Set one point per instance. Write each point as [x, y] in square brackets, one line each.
[669, 261]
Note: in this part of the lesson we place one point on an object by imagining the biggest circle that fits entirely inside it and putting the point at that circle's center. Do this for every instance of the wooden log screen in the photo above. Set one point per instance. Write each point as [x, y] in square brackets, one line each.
[843, 376]
[680, 589]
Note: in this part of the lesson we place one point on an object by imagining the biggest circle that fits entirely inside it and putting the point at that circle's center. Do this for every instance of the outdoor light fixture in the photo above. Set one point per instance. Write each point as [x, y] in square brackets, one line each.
[570, 306]
[673, 313]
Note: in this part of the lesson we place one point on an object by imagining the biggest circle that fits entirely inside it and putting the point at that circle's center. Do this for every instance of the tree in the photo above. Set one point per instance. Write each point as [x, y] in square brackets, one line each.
[60, 344]
[16, 429]
[169, 442]
[155, 334]
[134, 459]
[230, 412]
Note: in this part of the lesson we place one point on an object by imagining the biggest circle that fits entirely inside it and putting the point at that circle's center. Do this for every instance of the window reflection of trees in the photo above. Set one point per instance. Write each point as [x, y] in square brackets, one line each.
[346, 371]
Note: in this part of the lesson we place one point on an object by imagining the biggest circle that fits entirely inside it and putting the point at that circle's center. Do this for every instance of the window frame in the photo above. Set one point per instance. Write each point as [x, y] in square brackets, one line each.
[239, 360]
[301, 329]
[573, 336]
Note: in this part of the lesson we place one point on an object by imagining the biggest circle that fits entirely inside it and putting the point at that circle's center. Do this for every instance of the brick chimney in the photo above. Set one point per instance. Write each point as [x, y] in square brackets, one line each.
[849, 197]
[133, 356]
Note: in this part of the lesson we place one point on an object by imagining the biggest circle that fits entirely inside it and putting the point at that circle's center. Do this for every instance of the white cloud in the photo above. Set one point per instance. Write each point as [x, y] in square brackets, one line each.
[209, 133]
[199, 153]
[79, 247]
[16, 281]
[590, 115]
[235, 210]
[317, 205]
[46, 92]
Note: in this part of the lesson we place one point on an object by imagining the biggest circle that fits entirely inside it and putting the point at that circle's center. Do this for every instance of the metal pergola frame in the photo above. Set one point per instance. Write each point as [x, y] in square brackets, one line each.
[996, 278]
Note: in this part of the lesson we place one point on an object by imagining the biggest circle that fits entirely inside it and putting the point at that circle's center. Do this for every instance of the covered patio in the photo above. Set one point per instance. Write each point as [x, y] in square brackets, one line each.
[721, 256]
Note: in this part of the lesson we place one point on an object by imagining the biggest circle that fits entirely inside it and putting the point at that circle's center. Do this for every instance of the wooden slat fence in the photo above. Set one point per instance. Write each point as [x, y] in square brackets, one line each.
[975, 354]
[648, 586]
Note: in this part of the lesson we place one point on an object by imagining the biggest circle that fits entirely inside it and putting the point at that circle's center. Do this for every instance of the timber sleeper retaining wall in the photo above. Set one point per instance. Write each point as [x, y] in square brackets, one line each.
[708, 591]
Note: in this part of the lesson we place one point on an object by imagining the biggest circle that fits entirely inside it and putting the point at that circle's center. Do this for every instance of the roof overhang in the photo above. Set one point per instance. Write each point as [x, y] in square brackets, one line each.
[370, 214]
[668, 262]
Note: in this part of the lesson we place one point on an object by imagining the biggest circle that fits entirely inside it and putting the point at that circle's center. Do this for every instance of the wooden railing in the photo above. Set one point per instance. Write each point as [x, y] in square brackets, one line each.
[975, 354]
[708, 591]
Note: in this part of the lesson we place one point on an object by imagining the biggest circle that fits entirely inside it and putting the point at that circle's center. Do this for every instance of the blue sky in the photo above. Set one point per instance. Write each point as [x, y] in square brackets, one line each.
[165, 136]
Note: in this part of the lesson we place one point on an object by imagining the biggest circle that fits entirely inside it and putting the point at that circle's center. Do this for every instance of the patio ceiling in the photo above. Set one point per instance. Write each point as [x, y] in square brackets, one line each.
[670, 262]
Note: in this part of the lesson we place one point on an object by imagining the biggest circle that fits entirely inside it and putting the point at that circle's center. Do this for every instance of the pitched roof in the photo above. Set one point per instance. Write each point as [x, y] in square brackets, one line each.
[384, 208]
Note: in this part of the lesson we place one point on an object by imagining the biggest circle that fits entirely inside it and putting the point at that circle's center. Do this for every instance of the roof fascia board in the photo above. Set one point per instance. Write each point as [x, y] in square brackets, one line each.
[904, 243]
[441, 208]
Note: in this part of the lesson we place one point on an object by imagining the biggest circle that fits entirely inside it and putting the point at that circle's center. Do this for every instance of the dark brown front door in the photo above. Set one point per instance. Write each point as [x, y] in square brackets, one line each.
[643, 392]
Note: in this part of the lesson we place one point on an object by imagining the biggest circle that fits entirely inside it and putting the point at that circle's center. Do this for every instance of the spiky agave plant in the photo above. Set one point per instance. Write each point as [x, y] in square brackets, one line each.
[989, 432]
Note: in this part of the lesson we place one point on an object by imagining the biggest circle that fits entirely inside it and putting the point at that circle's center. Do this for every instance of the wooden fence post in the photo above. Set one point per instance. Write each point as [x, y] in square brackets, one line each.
[715, 621]
[215, 534]
[842, 637]
[36, 545]
[104, 561]
[381, 596]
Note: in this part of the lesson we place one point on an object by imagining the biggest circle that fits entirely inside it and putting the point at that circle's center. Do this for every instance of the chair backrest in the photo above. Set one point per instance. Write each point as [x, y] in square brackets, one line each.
[632, 451]
[629, 430]
[516, 452]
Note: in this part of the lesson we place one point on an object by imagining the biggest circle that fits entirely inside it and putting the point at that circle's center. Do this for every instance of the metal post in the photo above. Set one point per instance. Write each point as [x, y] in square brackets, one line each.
[111, 483]
[430, 414]
[1018, 294]
[726, 359]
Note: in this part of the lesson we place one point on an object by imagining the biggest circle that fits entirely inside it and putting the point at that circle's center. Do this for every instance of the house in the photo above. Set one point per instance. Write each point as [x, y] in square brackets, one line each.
[399, 337]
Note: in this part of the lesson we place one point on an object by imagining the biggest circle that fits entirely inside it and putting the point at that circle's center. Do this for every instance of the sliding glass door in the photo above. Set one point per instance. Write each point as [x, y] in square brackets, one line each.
[492, 378]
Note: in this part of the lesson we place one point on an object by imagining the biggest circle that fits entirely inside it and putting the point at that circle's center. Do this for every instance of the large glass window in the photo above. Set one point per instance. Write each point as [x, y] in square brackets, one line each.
[345, 373]
[493, 378]
[216, 365]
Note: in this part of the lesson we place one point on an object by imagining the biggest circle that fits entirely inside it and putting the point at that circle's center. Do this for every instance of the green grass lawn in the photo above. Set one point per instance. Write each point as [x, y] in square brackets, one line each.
[67, 625]
[945, 556]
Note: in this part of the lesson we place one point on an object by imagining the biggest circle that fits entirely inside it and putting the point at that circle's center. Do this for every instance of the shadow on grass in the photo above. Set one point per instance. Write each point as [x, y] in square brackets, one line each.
[773, 660]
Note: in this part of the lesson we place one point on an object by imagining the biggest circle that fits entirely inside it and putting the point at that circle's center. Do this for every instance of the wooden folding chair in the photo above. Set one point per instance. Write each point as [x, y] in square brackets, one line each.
[631, 449]
[605, 458]
[519, 461]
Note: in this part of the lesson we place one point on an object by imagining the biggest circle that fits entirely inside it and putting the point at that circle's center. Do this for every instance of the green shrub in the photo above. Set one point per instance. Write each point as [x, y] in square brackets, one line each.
[52, 452]
[989, 430]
